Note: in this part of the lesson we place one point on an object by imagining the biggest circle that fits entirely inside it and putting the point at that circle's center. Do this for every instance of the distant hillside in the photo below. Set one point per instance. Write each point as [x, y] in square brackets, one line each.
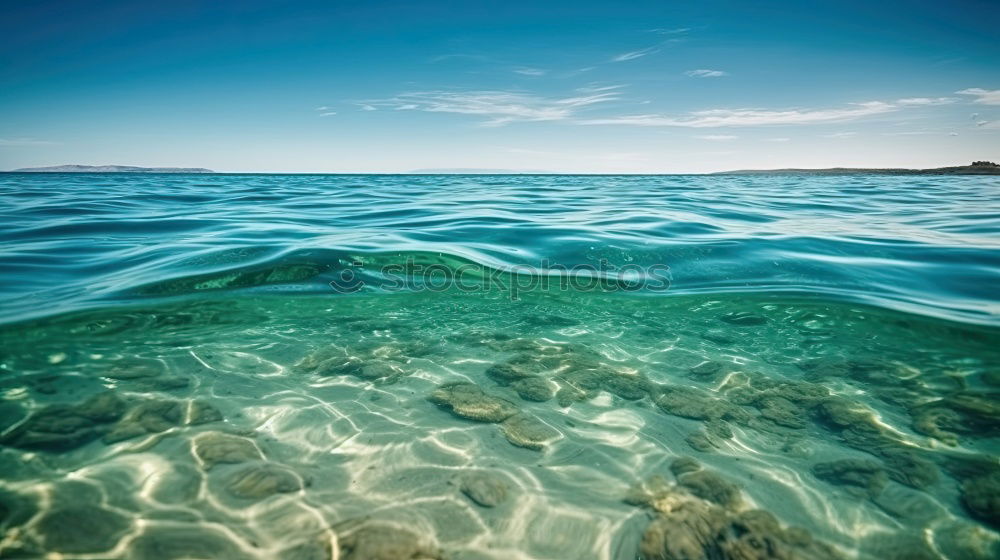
[479, 171]
[977, 168]
[111, 169]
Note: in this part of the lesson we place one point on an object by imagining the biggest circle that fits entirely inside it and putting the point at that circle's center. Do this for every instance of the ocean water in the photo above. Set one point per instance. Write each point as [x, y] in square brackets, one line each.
[472, 367]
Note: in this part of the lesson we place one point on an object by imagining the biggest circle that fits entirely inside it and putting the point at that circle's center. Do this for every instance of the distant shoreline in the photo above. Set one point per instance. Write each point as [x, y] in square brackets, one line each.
[956, 170]
[122, 169]
[109, 169]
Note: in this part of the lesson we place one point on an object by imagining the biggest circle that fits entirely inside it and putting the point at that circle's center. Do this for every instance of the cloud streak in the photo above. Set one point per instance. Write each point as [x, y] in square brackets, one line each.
[500, 107]
[527, 71]
[751, 117]
[705, 73]
[982, 96]
[632, 55]
[925, 101]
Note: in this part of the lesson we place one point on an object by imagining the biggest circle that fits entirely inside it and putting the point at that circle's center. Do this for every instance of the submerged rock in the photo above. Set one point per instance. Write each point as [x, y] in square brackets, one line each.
[371, 362]
[684, 465]
[782, 412]
[858, 476]
[533, 389]
[567, 395]
[966, 413]
[485, 489]
[201, 412]
[524, 430]
[859, 428]
[628, 387]
[213, 448]
[712, 487]
[329, 362]
[702, 441]
[63, 427]
[467, 400]
[981, 496]
[719, 429]
[906, 466]
[81, 529]
[939, 423]
[183, 543]
[688, 402]
[146, 418]
[102, 407]
[693, 529]
[260, 481]
[520, 367]
[700, 519]
[370, 540]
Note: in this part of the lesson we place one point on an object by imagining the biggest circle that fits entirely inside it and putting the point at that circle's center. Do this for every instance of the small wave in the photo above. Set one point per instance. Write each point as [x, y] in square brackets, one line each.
[926, 245]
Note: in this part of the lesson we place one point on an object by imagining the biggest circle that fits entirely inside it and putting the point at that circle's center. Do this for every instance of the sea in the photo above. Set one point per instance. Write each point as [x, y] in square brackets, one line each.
[381, 367]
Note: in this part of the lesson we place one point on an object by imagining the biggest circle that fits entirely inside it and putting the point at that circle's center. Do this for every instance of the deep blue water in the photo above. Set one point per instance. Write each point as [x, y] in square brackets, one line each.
[265, 366]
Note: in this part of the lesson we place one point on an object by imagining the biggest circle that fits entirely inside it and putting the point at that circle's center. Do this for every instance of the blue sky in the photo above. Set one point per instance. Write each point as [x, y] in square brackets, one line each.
[575, 86]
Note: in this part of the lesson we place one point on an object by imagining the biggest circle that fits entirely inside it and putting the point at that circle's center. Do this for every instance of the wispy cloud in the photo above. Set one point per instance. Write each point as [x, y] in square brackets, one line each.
[840, 135]
[632, 55]
[705, 73]
[499, 107]
[328, 114]
[25, 142]
[921, 101]
[982, 96]
[780, 139]
[528, 71]
[752, 117]
[988, 124]
[675, 31]
[367, 107]
[594, 88]
[717, 137]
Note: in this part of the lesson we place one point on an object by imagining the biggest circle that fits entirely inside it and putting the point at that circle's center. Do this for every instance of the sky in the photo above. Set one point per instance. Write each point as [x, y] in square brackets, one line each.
[562, 86]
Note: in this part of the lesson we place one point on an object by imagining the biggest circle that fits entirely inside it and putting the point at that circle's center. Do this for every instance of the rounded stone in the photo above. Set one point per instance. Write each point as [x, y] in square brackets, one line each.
[81, 529]
[261, 481]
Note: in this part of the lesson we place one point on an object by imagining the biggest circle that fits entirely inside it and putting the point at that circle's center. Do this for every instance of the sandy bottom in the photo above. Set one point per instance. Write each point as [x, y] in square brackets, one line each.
[472, 427]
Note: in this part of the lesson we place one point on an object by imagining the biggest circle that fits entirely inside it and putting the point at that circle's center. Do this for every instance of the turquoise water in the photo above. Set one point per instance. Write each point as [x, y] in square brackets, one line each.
[467, 367]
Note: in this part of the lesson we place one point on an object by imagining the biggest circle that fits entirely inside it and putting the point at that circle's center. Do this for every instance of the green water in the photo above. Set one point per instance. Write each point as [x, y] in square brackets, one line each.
[325, 438]
[315, 367]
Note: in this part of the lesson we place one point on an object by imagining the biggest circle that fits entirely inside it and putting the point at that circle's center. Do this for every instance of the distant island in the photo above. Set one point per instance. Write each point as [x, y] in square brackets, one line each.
[111, 169]
[976, 168]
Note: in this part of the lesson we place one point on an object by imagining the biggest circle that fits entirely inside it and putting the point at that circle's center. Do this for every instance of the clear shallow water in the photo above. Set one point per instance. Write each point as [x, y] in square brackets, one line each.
[179, 371]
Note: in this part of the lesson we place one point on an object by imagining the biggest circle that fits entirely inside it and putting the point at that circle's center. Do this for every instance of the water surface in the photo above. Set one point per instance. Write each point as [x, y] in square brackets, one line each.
[221, 366]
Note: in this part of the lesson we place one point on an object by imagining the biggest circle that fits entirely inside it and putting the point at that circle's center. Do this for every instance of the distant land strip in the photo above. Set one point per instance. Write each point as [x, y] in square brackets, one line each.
[977, 168]
[111, 169]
